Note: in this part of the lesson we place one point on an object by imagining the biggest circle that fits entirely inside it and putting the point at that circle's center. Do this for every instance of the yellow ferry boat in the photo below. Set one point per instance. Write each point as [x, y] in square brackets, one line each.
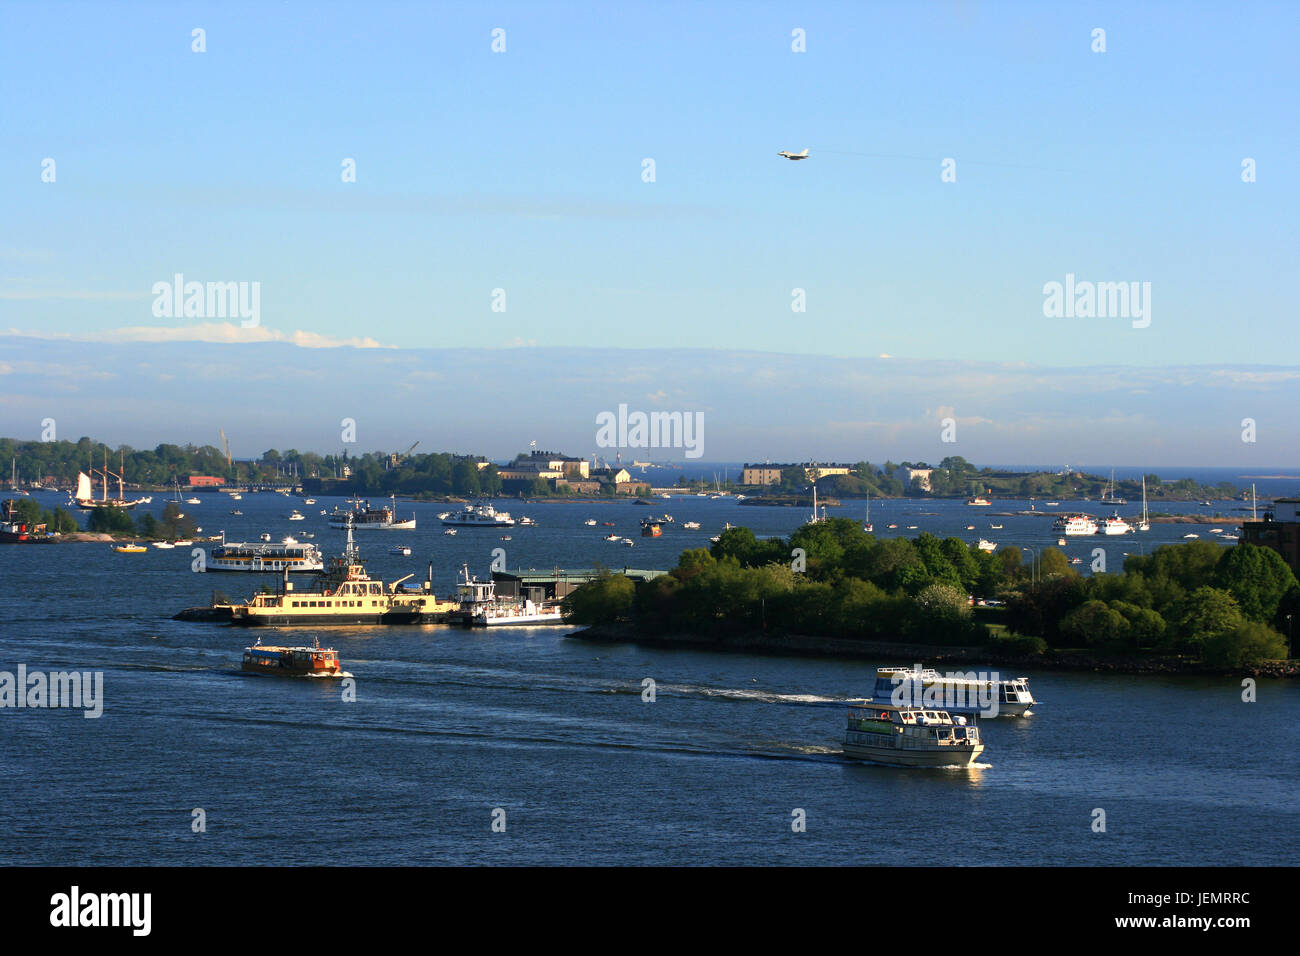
[346, 594]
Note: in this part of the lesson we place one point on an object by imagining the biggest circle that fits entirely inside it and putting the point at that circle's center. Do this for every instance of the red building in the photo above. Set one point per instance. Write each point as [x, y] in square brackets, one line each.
[206, 481]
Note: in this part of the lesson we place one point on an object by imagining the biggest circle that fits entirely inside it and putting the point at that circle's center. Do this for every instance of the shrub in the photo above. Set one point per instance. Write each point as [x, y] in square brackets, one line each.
[1248, 644]
[1013, 643]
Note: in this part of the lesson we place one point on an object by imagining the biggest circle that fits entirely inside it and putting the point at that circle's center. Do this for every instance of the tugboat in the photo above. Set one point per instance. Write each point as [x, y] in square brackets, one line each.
[314, 661]
[15, 530]
[910, 736]
[480, 606]
[650, 528]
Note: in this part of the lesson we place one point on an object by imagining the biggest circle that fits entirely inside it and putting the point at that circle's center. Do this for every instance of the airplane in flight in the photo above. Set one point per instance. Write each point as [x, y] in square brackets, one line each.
[789, 155]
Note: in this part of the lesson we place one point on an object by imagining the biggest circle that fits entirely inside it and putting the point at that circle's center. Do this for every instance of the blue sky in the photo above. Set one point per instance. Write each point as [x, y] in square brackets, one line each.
[522, 171]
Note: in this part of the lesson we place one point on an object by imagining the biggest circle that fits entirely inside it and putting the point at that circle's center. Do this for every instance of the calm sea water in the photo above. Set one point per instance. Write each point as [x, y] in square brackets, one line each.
[449, 725]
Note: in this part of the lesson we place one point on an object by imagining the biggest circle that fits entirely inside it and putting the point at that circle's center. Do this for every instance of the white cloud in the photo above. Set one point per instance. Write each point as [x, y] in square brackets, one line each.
[226, 333]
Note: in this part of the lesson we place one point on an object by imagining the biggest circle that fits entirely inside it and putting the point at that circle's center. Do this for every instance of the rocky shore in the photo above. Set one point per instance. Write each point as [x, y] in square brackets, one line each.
[804, 645]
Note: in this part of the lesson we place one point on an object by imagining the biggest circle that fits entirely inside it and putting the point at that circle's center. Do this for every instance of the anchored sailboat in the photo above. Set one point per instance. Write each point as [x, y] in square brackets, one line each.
[1108, 496]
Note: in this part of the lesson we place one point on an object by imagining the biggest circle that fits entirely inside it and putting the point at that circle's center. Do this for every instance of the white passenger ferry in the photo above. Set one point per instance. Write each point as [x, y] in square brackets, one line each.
[1114, 525]
[956, 693]
[363, 516]
[1075, 524]
[482, 515]
[260, 556]
[911, 736]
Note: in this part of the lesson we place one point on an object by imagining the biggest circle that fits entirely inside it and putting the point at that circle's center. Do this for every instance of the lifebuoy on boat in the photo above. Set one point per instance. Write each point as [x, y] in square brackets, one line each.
[884, 715]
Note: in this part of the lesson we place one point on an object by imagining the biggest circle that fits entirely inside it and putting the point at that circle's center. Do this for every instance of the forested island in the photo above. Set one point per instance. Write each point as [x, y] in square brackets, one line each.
[829, 585]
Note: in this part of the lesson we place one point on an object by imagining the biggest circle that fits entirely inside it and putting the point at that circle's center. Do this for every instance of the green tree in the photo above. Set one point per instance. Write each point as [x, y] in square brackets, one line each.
[1257, 577]
[603, 601]
[1248, 643]
[1204, 613]
[1095, 624]
[110, 520]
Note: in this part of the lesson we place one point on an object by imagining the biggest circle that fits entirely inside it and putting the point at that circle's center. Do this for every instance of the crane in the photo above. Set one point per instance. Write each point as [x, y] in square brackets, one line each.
[225, 446]
[396, 458]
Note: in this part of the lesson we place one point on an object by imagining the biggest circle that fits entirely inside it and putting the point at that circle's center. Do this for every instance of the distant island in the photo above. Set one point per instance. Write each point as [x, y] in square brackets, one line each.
[542, 474]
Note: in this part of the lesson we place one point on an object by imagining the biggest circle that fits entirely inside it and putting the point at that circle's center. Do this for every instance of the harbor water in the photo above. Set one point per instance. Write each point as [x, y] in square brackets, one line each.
[452, 730]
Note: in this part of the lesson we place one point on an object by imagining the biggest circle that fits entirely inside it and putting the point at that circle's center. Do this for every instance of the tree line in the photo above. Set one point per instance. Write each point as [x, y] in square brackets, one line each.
[1226, 606]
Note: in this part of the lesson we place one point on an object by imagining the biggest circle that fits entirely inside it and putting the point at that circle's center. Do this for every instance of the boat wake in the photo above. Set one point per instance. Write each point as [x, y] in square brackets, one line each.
[748, 695]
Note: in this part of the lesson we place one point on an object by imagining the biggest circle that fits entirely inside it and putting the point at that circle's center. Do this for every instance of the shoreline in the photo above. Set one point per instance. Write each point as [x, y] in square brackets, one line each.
[802, 645]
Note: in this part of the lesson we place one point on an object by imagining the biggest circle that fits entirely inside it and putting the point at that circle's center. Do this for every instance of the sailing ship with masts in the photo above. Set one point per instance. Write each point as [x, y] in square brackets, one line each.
[85, 495]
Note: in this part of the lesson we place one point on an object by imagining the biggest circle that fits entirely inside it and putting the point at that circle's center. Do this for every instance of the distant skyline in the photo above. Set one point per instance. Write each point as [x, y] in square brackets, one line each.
[755, 405]
[606, 191]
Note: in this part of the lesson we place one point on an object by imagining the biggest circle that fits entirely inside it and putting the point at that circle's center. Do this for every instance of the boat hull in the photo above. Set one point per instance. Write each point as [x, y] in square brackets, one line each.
[281, 619]
[937, 757]
[522, 620]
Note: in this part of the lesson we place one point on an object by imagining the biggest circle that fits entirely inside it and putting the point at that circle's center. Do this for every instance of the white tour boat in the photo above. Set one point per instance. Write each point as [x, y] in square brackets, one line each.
[261, 557]
[365, 517]
[910, 736]
[958, 693]
[1075, 524]
[482, 515]
[1114, 525]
